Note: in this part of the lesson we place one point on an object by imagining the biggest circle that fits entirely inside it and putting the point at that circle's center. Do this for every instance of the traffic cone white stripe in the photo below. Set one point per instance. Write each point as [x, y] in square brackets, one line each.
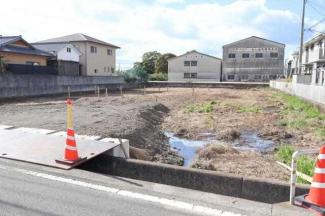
[70, 138]
[318, 185]
[71, 148]
[321, 156]
[319, 170]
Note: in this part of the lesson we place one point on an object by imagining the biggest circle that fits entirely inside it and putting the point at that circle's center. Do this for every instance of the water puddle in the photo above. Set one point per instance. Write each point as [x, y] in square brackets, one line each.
[249, 141]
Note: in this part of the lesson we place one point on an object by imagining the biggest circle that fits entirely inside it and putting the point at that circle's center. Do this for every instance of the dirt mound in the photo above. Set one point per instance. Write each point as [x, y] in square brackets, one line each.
[229, 135]
[161, 107]
[140, 154]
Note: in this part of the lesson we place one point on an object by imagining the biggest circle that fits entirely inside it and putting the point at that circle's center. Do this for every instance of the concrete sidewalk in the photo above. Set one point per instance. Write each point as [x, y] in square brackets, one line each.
[135, 188]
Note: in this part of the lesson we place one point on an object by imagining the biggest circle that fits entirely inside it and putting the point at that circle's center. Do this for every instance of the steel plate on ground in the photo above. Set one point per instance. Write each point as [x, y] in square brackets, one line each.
[4, 127]
[45, 149]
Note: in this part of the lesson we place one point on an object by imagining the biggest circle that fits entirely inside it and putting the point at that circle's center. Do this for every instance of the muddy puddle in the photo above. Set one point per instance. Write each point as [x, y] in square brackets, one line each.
[248, 141]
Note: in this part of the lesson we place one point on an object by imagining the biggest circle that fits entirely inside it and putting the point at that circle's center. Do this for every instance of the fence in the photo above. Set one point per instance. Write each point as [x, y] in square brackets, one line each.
[20, 69]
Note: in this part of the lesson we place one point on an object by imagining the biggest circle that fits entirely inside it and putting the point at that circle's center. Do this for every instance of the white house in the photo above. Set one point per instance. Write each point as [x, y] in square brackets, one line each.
[194, 66]
[62, 51]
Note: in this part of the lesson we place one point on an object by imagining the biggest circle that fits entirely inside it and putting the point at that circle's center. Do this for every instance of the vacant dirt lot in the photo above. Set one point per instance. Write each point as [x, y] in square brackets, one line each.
[142, 119]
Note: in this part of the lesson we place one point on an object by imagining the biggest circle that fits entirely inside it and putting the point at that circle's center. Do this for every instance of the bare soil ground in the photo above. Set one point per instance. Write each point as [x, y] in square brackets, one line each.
[141, 119]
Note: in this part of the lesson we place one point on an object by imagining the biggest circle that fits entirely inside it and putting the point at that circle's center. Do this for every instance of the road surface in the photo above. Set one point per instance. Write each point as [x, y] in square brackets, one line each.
[27, 189]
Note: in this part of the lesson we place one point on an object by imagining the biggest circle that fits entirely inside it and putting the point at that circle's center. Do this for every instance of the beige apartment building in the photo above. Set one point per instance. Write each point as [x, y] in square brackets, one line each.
[194, 66]
[98, 57]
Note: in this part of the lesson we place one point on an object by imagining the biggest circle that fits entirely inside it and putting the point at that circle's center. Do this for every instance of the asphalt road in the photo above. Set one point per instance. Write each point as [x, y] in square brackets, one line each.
[27, 189]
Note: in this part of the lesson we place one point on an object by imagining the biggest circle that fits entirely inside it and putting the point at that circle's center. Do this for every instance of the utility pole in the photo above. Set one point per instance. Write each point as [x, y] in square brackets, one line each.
[302, 35]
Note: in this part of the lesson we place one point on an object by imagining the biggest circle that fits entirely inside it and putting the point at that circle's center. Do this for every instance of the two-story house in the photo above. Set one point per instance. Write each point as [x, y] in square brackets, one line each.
[313, 59]
[98, 58]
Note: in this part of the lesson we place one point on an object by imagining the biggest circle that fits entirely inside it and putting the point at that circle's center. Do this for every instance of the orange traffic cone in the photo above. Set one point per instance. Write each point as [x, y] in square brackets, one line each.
[315, 200]
[71, 156]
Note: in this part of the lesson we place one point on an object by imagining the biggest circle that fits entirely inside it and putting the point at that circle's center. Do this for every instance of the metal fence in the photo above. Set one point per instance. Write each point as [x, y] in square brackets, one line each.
[31, 69]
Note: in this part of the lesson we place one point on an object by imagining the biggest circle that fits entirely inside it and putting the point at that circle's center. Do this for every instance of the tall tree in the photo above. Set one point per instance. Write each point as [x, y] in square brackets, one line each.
[149, 61]
[162, 63]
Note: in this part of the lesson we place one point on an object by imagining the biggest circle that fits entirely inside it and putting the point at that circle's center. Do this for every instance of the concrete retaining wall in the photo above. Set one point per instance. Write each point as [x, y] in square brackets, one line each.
[231, 85]
[34, 85]
[207, 181]
[309, 92]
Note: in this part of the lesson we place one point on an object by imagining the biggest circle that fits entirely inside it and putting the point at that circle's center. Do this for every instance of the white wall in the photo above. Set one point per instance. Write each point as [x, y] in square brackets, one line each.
[68, 56]
[315, 93]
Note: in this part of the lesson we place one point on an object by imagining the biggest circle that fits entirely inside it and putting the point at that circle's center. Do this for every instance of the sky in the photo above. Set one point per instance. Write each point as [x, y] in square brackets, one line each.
[166, 26]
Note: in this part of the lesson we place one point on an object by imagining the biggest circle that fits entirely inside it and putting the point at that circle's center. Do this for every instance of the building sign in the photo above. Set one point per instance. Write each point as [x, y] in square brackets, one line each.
[264, 49]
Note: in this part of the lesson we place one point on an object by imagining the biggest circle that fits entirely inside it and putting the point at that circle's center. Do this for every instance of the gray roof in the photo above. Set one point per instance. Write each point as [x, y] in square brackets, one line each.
[194, 51]
[6, 47]
[77, 38]
[254, 37]
[50, 47]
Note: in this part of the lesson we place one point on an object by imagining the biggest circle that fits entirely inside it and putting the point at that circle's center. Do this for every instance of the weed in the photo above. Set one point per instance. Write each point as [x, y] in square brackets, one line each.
[305, 165]
[255, 109]
[283, 122]
[210, 122]
[200, 108]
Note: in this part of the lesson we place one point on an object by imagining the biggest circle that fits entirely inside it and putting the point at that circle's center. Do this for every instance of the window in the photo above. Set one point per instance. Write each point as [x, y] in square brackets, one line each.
[108, 69]
[245, 55]
[272, 77]
[109, 52]
[68, 49]
[193, 63]
[312, 47]
[187, 75]
[231, 77]
[244, 77]
[187, 63]
[112, 70]
[259, 55]
[95, 70]
[193, 75]
[231, 55]
[274, 55]
[104, 69]
[93, 49]
[258, 77]
[33, 63]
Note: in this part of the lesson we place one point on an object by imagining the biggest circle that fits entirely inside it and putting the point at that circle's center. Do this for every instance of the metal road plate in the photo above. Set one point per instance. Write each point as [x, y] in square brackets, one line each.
[45, 149]
[4, 127]
[24, 129]
[86, 137]
[42, 131]
[112, 140]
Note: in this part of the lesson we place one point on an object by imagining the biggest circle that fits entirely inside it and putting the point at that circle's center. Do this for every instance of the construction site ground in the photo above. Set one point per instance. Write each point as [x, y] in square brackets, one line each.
[143, 119]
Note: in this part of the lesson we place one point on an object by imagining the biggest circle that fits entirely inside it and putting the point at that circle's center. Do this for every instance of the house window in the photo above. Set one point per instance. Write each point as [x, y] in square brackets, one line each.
[68, 49]
[259, 55]
[193, 75]
[258, 77]
[231, 77]
[272, 77]
[112, 70]
[274, 55]
[104, 69]
[187, 75]
[312, 47]
[95, 70]
[187, 63]
[231, 55]
[33, 63]
[193, 63]
[244, 77]
[109, 52]
[245, 55]
[108, 69]
[93, 49]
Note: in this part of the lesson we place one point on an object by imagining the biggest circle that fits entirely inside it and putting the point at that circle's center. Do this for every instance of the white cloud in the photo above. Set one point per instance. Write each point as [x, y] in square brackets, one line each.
[138, 26]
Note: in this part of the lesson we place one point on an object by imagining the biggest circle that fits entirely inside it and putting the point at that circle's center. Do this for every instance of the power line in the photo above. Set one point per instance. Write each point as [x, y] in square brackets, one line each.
[316, 4]
[315, 9]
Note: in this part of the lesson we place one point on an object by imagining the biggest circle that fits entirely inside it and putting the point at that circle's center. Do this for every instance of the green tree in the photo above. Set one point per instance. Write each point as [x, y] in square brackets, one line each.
[3, 65]
[161, 65]
[149, 61]
[139, 73]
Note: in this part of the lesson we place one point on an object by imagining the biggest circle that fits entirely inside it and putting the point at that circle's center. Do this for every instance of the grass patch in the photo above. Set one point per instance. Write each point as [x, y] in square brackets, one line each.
[200, 108]
[210, 122]
[255, 109]
[305, 165]
[301, 116]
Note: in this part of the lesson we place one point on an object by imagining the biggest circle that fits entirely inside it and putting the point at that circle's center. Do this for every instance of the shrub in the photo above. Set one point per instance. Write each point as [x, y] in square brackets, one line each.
[158, 77]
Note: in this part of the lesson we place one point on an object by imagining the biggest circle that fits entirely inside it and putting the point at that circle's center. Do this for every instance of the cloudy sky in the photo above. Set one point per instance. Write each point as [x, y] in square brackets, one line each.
[175, 26]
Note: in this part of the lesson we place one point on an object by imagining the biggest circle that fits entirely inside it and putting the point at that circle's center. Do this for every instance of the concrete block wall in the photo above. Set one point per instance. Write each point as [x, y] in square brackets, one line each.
[310, 92]
[34, 85]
